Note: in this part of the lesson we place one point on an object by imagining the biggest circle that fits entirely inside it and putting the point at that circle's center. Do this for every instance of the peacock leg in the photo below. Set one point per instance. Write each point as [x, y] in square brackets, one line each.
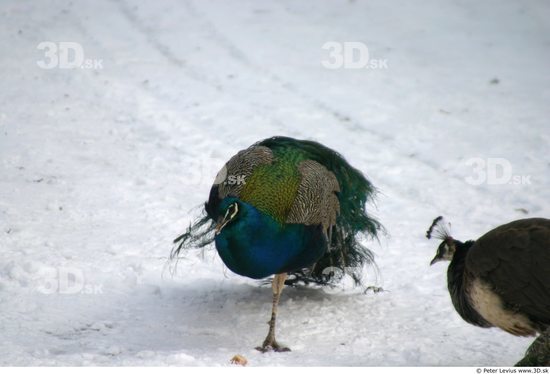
[270, 344]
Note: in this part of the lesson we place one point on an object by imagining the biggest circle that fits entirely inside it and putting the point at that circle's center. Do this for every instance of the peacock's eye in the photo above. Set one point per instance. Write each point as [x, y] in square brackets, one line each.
[231, 212]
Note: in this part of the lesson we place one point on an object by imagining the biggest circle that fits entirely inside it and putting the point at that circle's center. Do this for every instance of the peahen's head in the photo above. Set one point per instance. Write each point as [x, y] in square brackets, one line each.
[441, 230]
[445, 251]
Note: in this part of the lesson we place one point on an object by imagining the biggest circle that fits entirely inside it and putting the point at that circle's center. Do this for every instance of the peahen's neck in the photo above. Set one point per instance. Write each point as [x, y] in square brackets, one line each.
[456, 280]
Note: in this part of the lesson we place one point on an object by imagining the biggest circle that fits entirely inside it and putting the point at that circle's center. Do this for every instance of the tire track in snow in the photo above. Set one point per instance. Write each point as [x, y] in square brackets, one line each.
[161, 48]
[170, 56]
[378, 143]
[382, 142]
[239, 55]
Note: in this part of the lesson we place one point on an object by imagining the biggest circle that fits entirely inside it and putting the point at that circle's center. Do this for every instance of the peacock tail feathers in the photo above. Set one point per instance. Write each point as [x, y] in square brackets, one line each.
[297, 181]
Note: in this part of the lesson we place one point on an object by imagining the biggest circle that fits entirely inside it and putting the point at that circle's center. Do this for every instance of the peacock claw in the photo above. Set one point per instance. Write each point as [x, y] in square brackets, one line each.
[272, 346]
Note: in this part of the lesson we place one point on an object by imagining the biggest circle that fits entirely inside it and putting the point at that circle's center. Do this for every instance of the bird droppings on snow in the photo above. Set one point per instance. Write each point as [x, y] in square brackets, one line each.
[239, 360]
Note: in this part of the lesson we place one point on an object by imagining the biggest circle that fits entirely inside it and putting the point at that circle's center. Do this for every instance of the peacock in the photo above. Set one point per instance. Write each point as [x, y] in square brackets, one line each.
[288, 208]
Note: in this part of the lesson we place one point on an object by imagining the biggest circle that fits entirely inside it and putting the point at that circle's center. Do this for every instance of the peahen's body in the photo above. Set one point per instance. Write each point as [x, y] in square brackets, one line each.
[286, 206]
[501, 279]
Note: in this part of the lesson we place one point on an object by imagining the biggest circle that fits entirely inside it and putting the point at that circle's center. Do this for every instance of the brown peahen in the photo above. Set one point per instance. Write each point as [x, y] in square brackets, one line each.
[501, 279]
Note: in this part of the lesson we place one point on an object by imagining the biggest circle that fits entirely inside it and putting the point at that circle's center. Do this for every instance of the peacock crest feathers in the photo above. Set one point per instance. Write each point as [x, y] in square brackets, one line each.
[298, 181]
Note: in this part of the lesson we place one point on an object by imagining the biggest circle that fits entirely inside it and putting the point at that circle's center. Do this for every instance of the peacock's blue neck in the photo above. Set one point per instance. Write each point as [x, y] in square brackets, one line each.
[257, 246]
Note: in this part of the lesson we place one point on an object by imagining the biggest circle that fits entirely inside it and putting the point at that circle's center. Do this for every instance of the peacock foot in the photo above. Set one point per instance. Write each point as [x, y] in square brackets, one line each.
[272, 345]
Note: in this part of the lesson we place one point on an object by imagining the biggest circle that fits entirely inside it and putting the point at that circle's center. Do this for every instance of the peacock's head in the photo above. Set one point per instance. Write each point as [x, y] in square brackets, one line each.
[229, 211]
[441, 230]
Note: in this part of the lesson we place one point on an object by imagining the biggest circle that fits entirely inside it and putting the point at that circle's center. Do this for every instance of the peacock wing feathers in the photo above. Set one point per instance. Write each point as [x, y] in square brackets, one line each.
[316, 202]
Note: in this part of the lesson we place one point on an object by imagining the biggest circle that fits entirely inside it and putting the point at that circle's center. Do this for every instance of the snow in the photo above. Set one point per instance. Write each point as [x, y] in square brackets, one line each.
[101, 168]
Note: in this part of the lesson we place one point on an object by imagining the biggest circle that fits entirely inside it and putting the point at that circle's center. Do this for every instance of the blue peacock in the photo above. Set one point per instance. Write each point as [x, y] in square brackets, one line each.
[290, 208]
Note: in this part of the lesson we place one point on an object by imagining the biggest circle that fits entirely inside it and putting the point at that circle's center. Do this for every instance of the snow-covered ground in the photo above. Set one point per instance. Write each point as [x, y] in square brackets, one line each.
[101, 168]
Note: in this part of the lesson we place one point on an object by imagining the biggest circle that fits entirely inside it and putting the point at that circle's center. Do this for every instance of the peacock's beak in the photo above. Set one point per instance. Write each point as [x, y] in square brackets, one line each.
[220, 225]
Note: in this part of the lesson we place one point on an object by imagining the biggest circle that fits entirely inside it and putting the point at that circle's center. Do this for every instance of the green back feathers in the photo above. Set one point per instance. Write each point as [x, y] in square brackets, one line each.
[272, 188]
[355, 189]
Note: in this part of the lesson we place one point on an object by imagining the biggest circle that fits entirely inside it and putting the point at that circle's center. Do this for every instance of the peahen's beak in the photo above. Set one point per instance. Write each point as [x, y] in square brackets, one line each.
[437, 258]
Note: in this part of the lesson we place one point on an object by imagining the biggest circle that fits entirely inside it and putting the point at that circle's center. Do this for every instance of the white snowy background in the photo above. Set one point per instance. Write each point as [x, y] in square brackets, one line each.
[101, 168]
